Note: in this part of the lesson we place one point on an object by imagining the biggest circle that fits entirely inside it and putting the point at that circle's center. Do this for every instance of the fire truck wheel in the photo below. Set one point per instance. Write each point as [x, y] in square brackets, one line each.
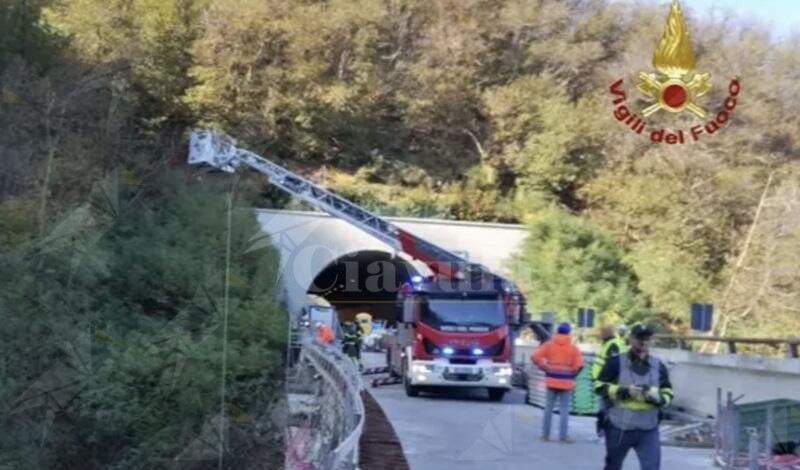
[411, 390]
[497, 394]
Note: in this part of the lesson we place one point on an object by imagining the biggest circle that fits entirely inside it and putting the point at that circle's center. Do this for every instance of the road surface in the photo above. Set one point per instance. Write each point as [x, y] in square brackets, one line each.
[464, 430]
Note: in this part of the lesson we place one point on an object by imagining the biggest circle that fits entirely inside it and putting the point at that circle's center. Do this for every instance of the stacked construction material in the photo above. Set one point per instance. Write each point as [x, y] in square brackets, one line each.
[537, 392]
[777, 421]
[584, 400]
[764, 433]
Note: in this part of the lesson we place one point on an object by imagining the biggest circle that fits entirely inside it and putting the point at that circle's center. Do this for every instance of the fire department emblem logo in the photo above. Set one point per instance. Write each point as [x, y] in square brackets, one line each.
[674, 87]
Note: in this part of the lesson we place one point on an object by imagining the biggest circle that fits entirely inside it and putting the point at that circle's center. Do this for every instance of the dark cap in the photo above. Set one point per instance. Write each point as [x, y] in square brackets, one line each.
[641, 331]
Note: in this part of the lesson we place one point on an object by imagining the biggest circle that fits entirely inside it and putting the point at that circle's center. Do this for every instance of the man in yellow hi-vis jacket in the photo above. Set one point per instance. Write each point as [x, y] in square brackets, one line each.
[638, 386]
[612, 346]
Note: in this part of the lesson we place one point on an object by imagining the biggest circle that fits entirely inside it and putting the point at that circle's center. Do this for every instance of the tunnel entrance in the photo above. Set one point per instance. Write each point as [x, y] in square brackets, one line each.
[364, 281]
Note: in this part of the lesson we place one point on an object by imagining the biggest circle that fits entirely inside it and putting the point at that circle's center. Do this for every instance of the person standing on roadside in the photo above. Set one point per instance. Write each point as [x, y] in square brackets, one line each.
[561, 362]
[638, 387]
[612, 346]
[352, 342]
[324, 333]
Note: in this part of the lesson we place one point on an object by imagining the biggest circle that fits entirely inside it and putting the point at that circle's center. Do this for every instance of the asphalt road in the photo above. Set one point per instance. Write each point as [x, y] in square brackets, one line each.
[464, 430]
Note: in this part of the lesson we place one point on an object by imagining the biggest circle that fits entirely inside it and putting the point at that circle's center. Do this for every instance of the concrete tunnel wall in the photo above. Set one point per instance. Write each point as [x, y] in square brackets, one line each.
[309, 242]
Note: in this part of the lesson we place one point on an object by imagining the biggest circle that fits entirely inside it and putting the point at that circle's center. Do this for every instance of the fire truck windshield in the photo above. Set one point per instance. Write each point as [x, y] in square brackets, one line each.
[473, 314]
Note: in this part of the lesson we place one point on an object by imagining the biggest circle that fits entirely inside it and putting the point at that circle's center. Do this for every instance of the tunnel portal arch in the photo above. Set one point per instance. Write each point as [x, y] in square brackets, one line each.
[363, 281]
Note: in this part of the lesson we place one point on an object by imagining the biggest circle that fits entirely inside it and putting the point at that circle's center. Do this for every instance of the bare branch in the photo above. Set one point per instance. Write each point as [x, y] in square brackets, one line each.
[478, 145]
[723, 327]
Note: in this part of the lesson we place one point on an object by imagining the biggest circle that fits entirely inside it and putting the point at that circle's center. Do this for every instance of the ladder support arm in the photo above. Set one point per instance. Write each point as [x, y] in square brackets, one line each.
[219, 151]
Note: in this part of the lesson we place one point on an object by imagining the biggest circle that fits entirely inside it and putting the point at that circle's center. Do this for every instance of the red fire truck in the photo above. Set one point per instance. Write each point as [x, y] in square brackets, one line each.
[455, 333]
[455, 327]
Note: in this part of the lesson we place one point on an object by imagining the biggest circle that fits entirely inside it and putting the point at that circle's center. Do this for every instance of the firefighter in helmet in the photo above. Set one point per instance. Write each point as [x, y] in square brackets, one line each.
[351, 344]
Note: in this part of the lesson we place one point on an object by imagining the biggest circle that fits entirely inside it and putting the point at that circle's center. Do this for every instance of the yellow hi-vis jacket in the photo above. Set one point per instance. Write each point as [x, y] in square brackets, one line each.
[603, 353]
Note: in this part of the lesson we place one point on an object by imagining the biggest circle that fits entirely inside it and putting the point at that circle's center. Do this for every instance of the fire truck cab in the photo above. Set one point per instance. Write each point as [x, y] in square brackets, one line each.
[455, 333]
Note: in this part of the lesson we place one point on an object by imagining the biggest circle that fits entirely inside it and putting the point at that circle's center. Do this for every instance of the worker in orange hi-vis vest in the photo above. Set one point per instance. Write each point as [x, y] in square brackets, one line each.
[561, 362]
[325, 334]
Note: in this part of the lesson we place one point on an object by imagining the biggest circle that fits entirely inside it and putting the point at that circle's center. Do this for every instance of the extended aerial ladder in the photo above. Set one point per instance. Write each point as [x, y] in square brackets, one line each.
[221, 152]
[212, 148]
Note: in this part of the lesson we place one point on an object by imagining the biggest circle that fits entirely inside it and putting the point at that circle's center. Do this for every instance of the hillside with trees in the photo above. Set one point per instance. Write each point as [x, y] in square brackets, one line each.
[485, 110]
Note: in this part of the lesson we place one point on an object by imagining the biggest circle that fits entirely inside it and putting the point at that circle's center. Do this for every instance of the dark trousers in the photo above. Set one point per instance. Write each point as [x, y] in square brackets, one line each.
[601, 422]
[352, 350]
[646, 444]
[602, 416]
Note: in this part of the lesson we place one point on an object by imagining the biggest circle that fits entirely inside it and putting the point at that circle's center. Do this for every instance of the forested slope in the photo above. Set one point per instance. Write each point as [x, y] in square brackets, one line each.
[119, 330]
[489, 110]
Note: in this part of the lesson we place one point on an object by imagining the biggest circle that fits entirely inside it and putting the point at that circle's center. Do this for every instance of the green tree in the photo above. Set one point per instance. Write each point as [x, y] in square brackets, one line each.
[546, 138]
[565, 264]
[125, 303]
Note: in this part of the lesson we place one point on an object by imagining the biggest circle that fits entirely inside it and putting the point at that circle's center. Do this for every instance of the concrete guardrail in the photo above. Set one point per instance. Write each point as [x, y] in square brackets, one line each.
[342, 373]
[340, 400]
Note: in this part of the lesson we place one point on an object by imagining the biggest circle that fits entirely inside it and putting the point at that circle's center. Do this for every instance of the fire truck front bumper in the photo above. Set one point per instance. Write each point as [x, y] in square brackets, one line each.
[442, 373]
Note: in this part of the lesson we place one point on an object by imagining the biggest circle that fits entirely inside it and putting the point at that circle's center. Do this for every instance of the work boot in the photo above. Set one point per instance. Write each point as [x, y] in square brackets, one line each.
[544, 439]
[567, 440]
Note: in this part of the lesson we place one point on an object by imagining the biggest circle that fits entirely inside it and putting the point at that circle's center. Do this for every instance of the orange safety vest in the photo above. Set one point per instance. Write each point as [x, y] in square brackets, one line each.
[325, 334]
[560, 360]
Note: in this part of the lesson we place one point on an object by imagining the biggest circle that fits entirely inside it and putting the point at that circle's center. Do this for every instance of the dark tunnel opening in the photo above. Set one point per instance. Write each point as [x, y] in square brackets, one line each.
[364, 281]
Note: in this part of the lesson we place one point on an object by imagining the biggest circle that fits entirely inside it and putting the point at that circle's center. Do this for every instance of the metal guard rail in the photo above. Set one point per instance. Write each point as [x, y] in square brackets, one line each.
[342, 374]
[792, 344]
